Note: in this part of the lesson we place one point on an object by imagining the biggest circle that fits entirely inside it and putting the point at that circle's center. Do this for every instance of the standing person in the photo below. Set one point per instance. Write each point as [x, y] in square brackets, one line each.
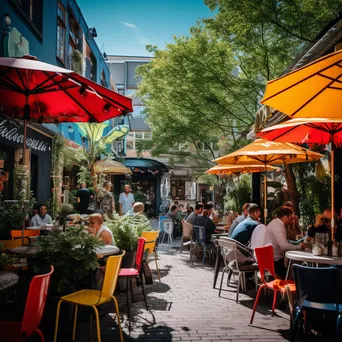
[126, 200]
[276, 236]
[239, 219]
[244, 230]
[107, 204]
[83, 196]
[41, 218]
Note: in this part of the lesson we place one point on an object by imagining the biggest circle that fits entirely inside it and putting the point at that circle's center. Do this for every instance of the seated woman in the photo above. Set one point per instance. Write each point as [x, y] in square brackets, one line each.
[98, 229]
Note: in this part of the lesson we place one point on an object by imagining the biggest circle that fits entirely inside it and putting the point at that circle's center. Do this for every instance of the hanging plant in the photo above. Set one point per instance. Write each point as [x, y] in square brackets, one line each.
[77, 61]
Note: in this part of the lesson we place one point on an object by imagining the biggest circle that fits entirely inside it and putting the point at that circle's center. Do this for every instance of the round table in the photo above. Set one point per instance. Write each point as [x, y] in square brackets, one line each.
[106, 251]
[309, 257]
[7, 280]
[27, 251]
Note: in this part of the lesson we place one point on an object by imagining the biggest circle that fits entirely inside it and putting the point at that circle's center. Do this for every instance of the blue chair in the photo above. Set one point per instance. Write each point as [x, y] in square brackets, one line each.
[161, 218]
[200, 242]
[316, 289]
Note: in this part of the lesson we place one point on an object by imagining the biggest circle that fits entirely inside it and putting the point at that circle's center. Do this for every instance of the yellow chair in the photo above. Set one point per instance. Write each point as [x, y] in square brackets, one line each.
[8, 244]
[94, 298]
[150, 244]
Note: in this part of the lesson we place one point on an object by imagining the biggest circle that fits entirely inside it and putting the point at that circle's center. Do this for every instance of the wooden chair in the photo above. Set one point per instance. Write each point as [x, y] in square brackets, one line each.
[187, 236]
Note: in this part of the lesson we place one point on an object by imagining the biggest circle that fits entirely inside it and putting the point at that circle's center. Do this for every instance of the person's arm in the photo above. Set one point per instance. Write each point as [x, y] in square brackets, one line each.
[49, 219]
[133, 201]
[106, 238]
[279, 234]
[33, 221]
[120, 205]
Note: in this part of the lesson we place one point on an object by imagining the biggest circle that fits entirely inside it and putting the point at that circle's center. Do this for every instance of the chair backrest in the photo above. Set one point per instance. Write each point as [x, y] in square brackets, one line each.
[227, 248]
[140, 253]
[160, 220]
[35, 303]
[8, 244]
[18, 233]
[200, 234]
[151, 239]
[167, 226]
[187, 229]
[110, 280]
[265, 259]
[320, 285]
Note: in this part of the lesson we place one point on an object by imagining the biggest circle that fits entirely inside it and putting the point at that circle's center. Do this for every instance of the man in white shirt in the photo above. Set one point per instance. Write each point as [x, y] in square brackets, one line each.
[126, 200]
[276, 236]
[41, 218]
[258, 236]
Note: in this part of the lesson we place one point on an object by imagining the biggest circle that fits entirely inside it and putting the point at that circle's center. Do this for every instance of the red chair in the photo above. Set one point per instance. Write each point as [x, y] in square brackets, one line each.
[265, 259]
[34, 309]
[136, 272]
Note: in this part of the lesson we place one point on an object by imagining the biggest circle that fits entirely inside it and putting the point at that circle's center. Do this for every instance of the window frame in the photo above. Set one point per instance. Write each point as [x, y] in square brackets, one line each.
[61, 23]
[36, 30]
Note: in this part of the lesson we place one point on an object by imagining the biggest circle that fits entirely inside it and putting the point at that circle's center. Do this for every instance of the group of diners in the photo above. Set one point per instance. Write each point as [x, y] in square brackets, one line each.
[280, 232]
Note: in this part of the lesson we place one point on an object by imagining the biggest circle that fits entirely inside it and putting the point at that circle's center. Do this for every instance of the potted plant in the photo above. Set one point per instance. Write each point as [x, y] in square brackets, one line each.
[73, 255]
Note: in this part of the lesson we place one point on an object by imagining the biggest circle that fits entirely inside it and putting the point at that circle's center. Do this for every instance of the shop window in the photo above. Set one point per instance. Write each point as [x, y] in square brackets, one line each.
[103, 79]
[139, 135]
[130, 141]
[147, 135]
[32, 11]
[60, 32]
[178, 189]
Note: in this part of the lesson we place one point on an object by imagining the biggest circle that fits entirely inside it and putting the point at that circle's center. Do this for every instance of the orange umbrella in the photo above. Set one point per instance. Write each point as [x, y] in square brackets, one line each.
[310, 130]
[311, 91]
[265, 152]
[235, 169]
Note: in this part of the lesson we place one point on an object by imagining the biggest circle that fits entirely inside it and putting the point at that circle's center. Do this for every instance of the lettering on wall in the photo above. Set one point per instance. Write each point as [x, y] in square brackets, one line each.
[11, 132]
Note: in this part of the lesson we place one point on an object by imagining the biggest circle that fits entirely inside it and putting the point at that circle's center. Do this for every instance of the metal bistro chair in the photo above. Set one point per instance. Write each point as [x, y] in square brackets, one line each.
[200, 242]
[316, 289]
[229, 251]
[187, 236]
[166, 228]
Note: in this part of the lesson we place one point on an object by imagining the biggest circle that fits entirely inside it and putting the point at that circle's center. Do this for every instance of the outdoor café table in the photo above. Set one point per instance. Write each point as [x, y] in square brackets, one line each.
[106, 251]
[27, 251]
[309, 257]
[7, 280]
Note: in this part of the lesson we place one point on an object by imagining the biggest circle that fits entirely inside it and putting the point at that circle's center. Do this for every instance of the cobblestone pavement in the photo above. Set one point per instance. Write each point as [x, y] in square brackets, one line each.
[185, 307]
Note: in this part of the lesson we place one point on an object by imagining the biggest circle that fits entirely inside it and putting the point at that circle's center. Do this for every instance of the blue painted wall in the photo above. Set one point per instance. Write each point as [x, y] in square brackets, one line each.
[45, 48]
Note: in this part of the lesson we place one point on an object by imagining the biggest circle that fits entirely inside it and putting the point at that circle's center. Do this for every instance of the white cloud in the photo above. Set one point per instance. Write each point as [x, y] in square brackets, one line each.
[138, 35]
[132, 26]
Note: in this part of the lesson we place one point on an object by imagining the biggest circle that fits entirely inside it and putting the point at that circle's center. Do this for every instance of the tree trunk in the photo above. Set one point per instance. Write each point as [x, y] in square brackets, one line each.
[292, 187]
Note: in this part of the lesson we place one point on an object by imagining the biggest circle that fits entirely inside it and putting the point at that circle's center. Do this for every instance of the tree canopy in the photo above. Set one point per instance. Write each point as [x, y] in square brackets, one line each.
[205, 88]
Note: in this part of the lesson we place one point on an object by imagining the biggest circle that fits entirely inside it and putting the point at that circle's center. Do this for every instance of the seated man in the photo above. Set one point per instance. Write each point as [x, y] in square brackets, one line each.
[323, 225]
[138, 218]
[243, 231]
[276, 236]
[206, 222]
[198, 211]
[172, 214]
[258, 236]
[41, 218]
[293, 229]
[98, 229]
[239, 219]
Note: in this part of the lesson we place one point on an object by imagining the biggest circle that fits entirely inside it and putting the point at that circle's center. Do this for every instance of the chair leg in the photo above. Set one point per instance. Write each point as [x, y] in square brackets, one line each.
[256, 302]
[230, 273]
[57, 320]
[338, 326]
[75, 321]
[97, 320]
[40, 335]
[295, 324]
[274, 301]
[127, 299]
[118, 317]
[181, 245]
[143, 290]
[131, 285]
[238, 288]
[219, 294]
[157, 267]
[204, 251]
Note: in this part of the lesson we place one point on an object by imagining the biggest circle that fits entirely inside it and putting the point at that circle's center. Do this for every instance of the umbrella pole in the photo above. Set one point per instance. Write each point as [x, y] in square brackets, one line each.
[332, 172]
[265, 197]
[26, 118]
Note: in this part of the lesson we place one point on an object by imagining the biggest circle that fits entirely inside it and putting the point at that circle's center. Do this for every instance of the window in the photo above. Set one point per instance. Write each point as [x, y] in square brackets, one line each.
[32, 11]
[103, 79]
[121, 91]
[178, 189]
[139, 135]
[130, 141]
[148, 135]
[60, 32]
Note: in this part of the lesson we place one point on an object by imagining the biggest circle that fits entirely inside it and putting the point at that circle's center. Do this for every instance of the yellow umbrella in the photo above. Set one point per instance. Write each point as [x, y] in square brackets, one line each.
[311, 91]
[111, 167]
[265, 152]
[234, 169]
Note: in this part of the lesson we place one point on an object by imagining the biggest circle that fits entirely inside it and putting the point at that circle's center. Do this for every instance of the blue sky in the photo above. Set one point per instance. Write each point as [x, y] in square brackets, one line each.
[125, 27]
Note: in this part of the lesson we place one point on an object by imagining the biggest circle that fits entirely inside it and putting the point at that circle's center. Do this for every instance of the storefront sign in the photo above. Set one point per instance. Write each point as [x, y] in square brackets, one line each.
[15, 44]
[12, 133]
[185, 179]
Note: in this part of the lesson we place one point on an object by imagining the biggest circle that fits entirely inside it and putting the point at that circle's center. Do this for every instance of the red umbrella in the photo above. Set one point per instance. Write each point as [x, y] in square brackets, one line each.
[44, 93]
